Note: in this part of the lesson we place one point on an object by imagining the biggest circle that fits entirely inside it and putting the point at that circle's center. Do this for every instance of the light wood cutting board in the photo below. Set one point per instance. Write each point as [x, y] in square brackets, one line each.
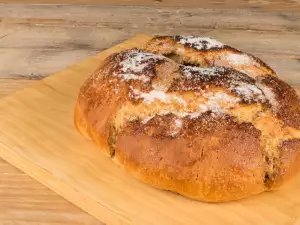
[37, 135]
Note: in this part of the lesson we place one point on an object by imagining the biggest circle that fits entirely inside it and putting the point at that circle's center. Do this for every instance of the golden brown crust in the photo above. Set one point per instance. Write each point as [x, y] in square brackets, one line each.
[211, 159]
[225, 78]
[289, 161]
[212, 133]
[208, 52]
[288, 102]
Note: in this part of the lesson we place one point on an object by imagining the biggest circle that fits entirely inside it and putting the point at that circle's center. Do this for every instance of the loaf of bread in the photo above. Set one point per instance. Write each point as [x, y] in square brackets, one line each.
[193, 116]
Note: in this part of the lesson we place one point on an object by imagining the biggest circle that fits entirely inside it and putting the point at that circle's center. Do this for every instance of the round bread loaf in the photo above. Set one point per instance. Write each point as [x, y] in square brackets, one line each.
[193, 116]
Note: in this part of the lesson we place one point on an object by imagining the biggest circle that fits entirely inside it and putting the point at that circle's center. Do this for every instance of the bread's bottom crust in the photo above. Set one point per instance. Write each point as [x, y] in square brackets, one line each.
[149, 176]
[164, 183]
[87, 131]
[161, 180]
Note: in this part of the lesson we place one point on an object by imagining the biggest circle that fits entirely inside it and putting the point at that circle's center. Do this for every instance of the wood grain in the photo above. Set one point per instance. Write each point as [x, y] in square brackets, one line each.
[270, 5]
[32, 144]
[46, 39]
[8, 86]
[24, 201]
[155, 18]
[37, 40]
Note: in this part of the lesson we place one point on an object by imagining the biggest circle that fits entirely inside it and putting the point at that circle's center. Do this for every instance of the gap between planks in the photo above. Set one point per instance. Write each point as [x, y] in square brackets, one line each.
[179, 17]
[45, 39]
[267, 5]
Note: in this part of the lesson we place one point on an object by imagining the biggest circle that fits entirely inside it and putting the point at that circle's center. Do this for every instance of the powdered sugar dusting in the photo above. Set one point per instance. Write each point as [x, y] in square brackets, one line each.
[249, 92]
[136, 61]
[234, 81]
[200, 43]
[269, 95]
[130, 76]
[176, 127]
[147, 119]
[180, 114]
[190, 71]
[180, 100]
[178, 123]
[192, 115]
[239, 59]
[154, 95]
[135, 64]
[219, 102]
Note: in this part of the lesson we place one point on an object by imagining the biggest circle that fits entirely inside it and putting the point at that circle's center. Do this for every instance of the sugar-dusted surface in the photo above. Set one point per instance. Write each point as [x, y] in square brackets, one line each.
[221, 104]
[139, 65]
[192, 71]
[240, 59]
[200, 43]
[142, 65]
[239, 83]
[136, 61]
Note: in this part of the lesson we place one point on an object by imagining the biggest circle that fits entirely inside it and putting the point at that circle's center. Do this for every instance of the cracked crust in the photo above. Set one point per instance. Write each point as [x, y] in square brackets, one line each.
[210, 53]
[209, 132]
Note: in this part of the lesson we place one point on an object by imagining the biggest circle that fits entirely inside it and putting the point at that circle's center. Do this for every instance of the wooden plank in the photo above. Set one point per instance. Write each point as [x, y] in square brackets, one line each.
[270, 5]
[39, 53]
[9, 86]
[83, 177]
[30, 35]
[46, 39]
[157, 18]
[24, 201]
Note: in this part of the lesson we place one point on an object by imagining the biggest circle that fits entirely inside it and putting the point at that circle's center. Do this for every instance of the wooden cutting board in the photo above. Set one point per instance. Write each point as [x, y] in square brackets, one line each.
[37, 135]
